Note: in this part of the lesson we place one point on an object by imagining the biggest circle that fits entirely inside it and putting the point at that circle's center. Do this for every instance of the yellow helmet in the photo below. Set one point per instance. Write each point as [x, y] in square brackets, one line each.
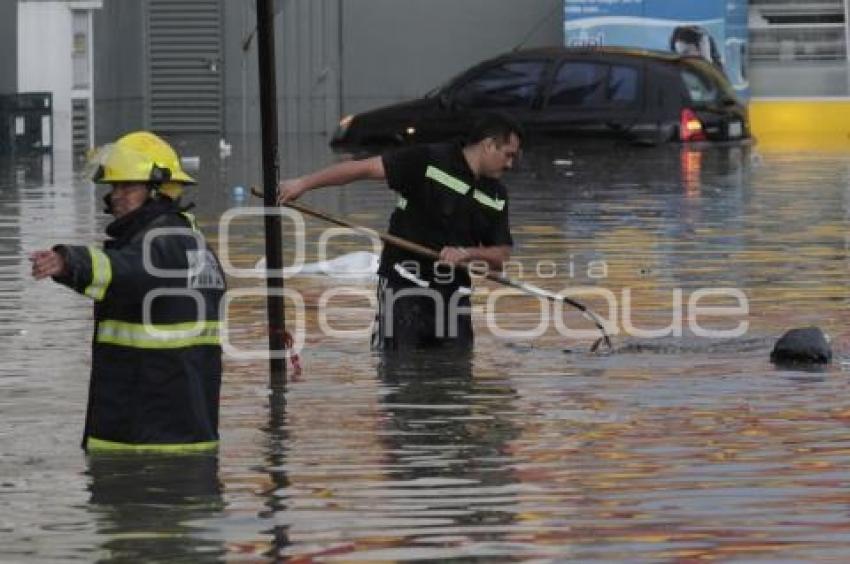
[141, 156]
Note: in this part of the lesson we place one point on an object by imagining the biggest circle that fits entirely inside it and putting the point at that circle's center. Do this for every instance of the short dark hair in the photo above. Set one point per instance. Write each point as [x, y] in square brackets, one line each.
[494, 124]
[687, 33]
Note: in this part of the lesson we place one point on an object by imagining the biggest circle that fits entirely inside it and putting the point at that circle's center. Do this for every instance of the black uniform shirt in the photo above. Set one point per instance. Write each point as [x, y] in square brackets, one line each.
[441, 203]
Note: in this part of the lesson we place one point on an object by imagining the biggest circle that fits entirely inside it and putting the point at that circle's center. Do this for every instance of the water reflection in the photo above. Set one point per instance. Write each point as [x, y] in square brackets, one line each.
[143, 505]
[276, 435]
[443, 482]
[683, 450]
[448, 428]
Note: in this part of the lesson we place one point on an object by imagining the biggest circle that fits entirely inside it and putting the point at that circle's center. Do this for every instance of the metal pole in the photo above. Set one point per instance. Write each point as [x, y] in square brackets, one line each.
[340, 14]
[271, 174]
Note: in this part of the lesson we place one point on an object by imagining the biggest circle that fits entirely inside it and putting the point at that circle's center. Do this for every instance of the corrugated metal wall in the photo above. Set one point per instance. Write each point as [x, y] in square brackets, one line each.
[184, 66]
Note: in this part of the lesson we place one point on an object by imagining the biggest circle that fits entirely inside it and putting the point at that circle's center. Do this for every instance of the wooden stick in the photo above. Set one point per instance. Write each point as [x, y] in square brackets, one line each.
[432, 254]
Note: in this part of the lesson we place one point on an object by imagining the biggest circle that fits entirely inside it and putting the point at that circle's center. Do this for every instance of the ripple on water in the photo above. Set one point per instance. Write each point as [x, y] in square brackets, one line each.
[675, 449]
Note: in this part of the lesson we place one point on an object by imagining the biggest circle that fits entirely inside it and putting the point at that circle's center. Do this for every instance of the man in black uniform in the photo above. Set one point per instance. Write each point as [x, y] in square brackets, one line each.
[450, 200]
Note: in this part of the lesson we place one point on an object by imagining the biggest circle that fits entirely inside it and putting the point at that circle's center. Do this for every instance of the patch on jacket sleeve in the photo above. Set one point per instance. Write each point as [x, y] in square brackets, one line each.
[204, 272]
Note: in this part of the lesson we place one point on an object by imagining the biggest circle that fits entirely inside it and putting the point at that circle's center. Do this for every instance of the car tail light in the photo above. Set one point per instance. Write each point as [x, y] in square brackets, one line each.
[690, 127]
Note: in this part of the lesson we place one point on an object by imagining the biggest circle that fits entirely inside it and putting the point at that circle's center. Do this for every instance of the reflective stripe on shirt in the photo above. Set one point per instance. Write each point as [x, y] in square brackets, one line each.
[447, 180]
[462, 188]
[483, 198]
[410, 277]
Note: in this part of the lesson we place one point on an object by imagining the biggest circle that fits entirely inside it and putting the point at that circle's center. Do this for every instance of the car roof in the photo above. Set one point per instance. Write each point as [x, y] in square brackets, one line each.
[561, 51]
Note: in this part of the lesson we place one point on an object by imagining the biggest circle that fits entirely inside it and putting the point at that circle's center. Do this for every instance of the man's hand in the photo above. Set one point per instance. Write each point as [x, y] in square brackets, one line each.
[290, 190]
[46, 263]
[478, 258]
[454, 255]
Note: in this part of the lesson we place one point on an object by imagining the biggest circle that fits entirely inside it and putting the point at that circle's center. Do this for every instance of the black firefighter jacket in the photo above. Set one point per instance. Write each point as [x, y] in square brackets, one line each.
[156, 353]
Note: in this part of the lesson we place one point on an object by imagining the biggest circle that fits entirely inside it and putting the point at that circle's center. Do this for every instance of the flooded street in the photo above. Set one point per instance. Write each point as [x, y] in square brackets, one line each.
[680, 448]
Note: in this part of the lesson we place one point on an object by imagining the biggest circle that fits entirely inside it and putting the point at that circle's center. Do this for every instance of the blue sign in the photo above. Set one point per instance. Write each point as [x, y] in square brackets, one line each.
[713, 29]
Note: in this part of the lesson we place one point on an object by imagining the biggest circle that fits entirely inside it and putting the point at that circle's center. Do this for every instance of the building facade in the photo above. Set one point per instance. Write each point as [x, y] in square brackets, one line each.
[190, 66]
[799, 47]
[48, 47]
[183, 67]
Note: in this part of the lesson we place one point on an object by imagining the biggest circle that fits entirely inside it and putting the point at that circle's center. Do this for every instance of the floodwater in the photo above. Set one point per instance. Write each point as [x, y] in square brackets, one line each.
[680, 448]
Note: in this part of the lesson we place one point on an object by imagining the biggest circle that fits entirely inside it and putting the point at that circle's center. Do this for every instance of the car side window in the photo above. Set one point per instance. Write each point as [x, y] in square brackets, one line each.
[701, 91]
[622, 84]
[594, 85]
[512, 84]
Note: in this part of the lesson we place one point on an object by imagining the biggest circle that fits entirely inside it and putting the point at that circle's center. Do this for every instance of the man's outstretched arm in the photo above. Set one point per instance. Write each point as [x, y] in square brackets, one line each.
[337, 174]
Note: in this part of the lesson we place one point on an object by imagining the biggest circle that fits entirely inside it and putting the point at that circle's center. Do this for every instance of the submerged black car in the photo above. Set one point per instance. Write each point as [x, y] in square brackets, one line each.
[640, 96]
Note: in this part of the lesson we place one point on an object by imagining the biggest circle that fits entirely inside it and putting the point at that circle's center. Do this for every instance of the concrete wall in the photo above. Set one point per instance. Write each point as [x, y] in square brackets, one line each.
[801, 124]
[340, 56]
[307, 56]
[46, 27]
[8, 46]
[309, 63]
[397, 49]
[800, 79]
[241, 110]
[119, 68]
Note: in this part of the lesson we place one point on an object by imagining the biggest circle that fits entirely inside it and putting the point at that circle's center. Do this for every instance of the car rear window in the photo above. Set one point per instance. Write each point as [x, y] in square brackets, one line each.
[705, 84]
[511, 84]
[700, 90]
[588, 84]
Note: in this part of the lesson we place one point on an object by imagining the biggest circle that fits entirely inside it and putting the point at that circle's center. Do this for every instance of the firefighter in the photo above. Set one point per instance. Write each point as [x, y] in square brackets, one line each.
[156, 286]
[451, 200]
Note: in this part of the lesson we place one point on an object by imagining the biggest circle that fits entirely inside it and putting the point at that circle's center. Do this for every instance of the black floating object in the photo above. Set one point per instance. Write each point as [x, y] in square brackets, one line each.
[804, 345]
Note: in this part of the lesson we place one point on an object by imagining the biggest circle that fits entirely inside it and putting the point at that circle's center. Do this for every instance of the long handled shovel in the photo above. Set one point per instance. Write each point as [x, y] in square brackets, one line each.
[434, 255]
